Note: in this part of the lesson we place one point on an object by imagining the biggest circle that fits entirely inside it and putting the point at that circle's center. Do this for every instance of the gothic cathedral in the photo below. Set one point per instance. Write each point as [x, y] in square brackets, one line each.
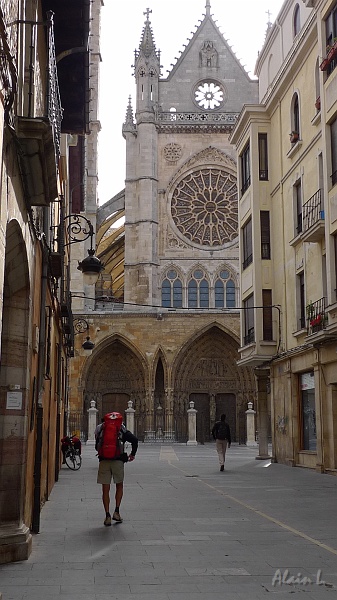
[167, 312]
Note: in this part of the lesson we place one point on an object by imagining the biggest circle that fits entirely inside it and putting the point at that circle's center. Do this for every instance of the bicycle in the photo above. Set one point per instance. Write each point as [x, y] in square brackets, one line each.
[72, 456]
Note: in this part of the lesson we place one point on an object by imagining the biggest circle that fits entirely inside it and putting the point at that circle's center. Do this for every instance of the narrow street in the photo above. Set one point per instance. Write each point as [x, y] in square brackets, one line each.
[256, 531]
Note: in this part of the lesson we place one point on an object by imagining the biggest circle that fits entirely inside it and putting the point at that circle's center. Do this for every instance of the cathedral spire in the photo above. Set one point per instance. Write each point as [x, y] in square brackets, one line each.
[147, 45]
[208, 8]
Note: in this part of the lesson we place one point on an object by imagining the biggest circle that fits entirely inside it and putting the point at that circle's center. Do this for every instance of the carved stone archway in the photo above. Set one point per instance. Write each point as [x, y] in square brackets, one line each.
[206, 372]
[116, 375]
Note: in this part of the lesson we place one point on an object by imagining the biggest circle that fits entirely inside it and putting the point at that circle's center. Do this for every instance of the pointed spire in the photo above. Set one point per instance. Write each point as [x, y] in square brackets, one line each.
[129, 125]
[208, 8]
[147, 44]
[129, 112]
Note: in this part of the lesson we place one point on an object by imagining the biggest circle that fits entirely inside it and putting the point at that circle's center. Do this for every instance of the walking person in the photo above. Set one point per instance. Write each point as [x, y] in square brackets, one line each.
[222, 435]
[111, 436]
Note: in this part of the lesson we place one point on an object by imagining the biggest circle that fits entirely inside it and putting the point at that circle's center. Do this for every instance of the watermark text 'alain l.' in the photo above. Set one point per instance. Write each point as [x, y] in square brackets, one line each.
[285, 578]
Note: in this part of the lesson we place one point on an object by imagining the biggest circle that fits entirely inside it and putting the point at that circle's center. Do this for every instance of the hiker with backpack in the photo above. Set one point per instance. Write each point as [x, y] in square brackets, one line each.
[111, 436]
[222, 435]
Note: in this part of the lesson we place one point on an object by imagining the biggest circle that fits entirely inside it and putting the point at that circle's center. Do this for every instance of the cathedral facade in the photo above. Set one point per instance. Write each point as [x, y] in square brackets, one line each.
[165, 316]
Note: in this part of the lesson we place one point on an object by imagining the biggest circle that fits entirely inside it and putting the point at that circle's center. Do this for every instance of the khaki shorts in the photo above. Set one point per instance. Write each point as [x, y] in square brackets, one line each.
[110, 469]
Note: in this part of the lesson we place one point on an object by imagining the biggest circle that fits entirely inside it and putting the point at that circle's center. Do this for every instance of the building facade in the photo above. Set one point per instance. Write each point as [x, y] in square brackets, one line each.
[45, 73]
[164, 316]
[286, 149]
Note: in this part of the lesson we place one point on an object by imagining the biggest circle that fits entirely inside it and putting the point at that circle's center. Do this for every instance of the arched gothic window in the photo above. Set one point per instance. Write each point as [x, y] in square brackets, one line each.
[198, 290]
[296, 20]
[172, 290]
[224, 291]
[295, 115]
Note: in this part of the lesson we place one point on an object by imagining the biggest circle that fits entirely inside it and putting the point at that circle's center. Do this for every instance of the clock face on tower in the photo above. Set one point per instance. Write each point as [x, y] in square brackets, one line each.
[209, 94]
[204, 207]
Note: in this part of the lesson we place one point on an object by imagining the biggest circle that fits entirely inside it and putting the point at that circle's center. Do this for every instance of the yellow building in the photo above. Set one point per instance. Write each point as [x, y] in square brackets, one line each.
[287, 153]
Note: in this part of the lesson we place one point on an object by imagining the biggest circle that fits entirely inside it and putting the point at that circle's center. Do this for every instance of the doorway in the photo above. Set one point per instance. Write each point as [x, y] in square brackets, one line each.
[226, 404]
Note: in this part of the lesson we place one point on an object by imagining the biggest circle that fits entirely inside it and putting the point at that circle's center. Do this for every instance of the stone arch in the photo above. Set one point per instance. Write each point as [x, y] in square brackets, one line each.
[15, 353]
[206, 372]
[160, 384]
[160, 356]
[115, 374]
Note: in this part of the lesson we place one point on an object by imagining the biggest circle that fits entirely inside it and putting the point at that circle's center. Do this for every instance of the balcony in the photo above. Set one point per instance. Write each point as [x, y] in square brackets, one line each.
[329, 62]
[39, 129]
[317, 319]
[72, 24]
[313, 219]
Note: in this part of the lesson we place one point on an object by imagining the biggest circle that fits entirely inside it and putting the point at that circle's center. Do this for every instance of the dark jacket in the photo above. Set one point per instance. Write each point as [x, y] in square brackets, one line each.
[216, 428]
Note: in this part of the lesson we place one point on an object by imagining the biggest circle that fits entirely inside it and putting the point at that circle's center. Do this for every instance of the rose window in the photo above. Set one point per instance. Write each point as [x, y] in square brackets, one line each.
[204, 207]
[209, 95]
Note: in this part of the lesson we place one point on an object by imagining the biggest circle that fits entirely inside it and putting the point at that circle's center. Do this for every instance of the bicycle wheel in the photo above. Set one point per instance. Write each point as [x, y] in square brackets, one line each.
[73, 460]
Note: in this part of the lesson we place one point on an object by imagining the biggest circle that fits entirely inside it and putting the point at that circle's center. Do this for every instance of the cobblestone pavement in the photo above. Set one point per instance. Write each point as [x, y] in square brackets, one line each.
[255, 531]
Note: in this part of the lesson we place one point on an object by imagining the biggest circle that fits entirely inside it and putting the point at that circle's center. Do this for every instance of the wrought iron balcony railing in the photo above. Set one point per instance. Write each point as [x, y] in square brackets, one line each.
[41, 99]
[250, 337]
[313, 211]
[317, 319]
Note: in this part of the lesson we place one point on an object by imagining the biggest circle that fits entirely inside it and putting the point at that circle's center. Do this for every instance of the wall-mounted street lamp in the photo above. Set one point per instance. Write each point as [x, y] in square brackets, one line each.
[79, 229]
[81, 326]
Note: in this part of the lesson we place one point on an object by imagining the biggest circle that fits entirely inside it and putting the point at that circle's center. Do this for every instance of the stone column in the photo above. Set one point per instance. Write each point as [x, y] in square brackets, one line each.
[192, 425]
[169, 429]
[250, 418]
[92, 423]
[262, 376]
[130, 417]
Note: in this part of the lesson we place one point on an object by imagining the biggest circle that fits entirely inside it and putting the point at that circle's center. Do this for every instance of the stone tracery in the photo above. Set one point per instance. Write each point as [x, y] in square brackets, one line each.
[204, 207]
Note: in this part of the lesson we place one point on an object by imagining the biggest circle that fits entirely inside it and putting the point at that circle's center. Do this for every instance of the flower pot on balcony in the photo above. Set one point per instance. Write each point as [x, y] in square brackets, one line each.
[316, 321]
[318, 103]
[294, 137]
[332, 52]
[330, 55]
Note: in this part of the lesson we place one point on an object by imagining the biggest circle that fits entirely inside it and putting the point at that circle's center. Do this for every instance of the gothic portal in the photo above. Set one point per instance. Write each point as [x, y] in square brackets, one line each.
[166, 315]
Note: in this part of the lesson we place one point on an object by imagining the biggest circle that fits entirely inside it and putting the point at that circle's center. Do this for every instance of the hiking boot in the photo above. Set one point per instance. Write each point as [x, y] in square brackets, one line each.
[116, 517]
[222, 468]
[107, 521]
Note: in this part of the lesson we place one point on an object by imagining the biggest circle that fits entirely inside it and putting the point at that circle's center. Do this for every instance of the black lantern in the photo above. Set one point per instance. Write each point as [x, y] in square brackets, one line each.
[80, 229]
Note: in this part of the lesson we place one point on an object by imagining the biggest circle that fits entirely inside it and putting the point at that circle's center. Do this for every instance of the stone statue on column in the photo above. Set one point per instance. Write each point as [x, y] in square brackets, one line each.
[92, 423]
[192, 425]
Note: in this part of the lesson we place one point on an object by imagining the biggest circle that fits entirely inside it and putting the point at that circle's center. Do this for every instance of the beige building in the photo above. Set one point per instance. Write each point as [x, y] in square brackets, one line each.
[45, 74]
[287, 150]
[164, 316]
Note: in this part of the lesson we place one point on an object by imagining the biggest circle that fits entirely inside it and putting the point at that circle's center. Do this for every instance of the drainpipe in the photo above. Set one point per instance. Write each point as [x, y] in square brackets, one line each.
[40, 380]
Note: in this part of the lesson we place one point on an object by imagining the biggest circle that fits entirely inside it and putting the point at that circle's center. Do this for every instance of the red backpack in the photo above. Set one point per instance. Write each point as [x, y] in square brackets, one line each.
[108, 442]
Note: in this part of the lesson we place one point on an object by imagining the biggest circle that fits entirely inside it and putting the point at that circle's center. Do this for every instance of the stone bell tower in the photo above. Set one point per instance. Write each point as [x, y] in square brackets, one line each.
[141, 185]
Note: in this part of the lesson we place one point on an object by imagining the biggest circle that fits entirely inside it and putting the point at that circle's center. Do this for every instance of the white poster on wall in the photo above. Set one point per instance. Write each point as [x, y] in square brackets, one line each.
[307, 381]
[14, 400]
